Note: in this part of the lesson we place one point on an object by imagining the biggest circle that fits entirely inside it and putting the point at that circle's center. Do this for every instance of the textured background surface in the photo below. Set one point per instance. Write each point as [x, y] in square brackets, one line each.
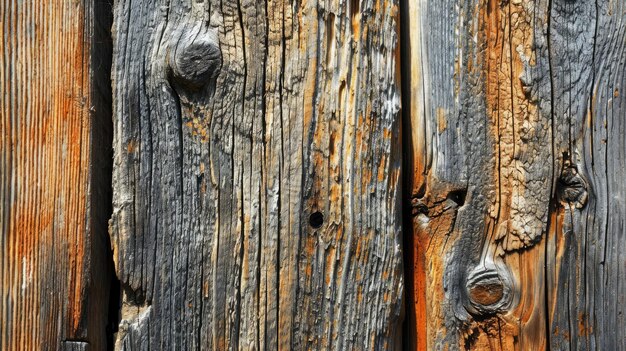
[516, 106]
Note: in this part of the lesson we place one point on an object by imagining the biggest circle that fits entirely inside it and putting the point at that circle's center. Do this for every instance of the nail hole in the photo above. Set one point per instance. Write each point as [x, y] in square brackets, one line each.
[316, 219]
[458, 196]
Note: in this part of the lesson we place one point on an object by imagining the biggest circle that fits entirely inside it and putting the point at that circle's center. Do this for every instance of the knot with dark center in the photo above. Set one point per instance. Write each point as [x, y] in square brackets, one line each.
[196, 60]
[572, 188]
[488, 290]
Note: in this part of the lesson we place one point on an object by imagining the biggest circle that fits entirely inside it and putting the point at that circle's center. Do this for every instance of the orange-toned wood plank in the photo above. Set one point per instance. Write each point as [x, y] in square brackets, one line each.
[54, 122]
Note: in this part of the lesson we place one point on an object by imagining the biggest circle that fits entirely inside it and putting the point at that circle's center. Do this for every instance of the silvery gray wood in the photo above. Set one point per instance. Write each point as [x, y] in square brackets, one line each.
[257, 174]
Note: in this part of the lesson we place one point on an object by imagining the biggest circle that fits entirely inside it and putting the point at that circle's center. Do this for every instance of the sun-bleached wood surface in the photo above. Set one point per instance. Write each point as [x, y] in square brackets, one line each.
[271, 191]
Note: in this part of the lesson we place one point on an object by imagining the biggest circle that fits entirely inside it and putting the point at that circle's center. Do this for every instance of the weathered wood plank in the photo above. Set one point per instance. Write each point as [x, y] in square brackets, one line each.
[256, 174]
[517, 211]
[54, 178]
[587, 264]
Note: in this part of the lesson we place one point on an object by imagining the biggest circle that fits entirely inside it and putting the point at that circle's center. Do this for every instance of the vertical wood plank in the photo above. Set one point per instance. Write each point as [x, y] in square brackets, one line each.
[515, 156]
[54, 132]
[587, 263]
[256, 174]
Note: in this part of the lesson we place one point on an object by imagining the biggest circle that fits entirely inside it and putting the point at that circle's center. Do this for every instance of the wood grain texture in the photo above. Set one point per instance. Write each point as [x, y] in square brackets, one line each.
[257, 158]
[511, 108]
[53, 174]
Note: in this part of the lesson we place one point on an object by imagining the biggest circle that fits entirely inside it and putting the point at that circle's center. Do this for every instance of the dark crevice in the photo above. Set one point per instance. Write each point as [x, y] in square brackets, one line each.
[409, 336]
[546, 271]
[457, 196]
[114, 311]
[105, 296]
[552, 205]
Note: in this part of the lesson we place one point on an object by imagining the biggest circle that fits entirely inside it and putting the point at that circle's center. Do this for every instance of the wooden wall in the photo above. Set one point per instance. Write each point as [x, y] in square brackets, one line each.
[312, 174]
[257, 174]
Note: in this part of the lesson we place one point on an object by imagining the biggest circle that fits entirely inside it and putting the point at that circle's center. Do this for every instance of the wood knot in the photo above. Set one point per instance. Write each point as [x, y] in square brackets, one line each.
[487, 293]
[488, 290]
[195, 60]
[572, 188]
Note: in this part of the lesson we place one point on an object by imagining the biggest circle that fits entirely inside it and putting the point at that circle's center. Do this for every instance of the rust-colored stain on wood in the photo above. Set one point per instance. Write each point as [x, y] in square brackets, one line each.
[45, 132]
[509, 104]
[441, 120]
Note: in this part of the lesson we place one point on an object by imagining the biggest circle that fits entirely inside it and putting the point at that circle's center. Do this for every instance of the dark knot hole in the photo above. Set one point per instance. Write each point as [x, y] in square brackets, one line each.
[458, 196]
[316, 219]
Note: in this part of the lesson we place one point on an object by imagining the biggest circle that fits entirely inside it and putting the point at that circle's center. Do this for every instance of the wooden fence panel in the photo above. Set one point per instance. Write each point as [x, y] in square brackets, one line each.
[257, 192]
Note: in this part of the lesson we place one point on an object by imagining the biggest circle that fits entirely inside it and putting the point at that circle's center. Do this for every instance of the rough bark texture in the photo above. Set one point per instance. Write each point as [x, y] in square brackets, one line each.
[256, 174]
[54, 131]
[515, 110]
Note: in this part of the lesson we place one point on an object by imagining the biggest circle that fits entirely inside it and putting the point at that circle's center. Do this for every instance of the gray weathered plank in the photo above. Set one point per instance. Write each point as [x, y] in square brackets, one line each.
[256, 174]
[587, 263]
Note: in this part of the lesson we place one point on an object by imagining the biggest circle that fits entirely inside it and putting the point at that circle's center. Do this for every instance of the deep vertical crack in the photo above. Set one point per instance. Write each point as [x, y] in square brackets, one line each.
[103, 271]
[409, 340]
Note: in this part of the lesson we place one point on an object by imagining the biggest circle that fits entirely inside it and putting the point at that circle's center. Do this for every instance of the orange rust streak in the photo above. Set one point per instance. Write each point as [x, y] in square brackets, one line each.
[45, 130]
[508, 34]
[418, 298]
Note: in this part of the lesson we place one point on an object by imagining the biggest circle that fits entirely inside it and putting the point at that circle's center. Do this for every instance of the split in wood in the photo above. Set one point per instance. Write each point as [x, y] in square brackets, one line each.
[434, 206]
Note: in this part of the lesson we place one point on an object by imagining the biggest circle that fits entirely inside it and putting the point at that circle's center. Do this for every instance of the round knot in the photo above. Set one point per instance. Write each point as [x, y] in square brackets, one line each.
[196, 60]
[488, 290]
[572, 188]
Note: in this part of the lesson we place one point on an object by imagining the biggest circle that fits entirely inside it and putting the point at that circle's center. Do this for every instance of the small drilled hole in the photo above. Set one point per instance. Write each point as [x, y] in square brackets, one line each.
[316, 220]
